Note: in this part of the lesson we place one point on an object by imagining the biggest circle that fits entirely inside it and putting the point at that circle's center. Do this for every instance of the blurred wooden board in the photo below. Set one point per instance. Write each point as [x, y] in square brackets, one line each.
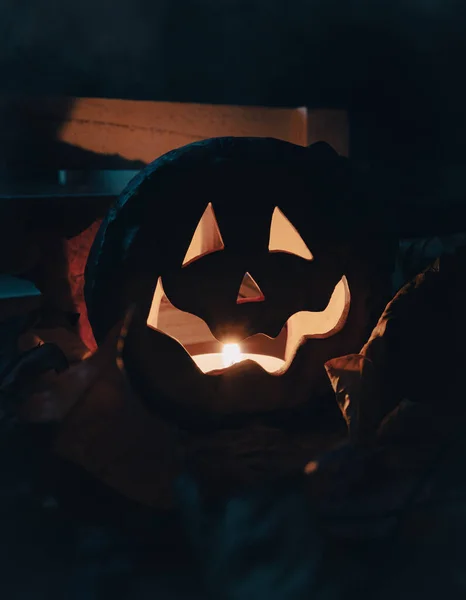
[145, 130]
[84, 133]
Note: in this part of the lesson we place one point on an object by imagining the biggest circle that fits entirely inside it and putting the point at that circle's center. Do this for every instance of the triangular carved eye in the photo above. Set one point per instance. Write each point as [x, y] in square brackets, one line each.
[206, 239]
[284, 237]
[249, 291]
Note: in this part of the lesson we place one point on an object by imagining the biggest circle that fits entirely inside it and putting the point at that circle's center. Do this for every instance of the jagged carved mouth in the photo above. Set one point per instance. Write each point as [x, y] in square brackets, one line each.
[274, 355]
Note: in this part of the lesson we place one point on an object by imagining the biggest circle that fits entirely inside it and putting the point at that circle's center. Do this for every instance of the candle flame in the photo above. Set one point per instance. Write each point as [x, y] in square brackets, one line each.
[231, 354]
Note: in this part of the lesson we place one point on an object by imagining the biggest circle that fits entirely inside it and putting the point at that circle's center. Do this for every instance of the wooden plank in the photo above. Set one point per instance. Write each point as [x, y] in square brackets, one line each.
[82, 133]
[145, 130]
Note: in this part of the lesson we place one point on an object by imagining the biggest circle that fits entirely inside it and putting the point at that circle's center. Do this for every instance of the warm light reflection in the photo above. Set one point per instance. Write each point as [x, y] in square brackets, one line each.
[190, 331]
[231, 354]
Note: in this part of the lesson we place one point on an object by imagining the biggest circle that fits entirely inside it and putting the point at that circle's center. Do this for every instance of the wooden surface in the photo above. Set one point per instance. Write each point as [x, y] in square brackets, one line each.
[43, 133]
[145, 130]
[46, 133]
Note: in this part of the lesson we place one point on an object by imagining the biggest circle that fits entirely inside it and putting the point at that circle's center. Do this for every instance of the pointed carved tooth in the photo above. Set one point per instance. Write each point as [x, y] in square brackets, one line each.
[154, 313]
[306, 324]
[182, 326]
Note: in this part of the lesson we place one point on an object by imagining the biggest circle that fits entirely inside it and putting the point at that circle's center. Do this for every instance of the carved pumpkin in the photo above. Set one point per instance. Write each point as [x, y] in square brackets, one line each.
[238, 267]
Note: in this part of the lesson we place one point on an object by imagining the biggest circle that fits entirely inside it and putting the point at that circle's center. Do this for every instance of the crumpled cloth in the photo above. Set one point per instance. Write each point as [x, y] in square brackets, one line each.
[416, 351]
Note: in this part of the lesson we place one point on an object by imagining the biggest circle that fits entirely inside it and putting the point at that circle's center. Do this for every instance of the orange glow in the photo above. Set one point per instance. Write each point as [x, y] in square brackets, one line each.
[189, 330]
[231, 355]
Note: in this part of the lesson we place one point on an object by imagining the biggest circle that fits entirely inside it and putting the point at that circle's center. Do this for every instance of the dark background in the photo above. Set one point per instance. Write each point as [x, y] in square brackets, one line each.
[397, 65]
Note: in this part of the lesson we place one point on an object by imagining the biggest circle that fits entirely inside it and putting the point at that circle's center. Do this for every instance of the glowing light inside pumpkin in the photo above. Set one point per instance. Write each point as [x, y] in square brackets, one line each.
[189, 330]
[231, 354]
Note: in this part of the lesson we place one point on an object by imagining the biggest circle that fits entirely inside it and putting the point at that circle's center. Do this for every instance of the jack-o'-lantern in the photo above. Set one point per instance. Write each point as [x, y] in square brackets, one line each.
[238, 267]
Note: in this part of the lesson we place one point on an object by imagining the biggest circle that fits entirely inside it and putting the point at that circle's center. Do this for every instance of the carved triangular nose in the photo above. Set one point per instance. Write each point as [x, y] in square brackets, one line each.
[249, 291]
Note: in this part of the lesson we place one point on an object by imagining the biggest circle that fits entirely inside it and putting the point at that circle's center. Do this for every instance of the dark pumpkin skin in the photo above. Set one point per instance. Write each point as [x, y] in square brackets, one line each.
[147, 233]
